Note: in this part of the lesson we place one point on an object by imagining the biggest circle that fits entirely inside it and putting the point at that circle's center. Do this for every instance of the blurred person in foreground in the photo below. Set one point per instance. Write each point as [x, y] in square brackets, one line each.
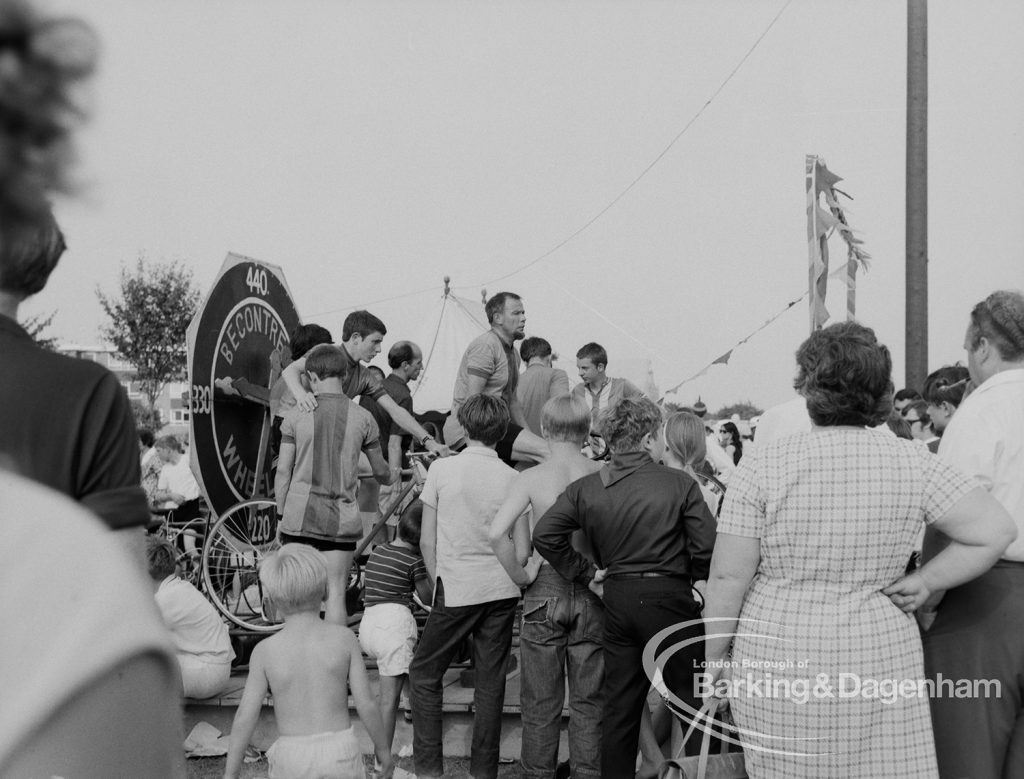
[813, 541]
[64, 422]
[85, 666]
[978, 628]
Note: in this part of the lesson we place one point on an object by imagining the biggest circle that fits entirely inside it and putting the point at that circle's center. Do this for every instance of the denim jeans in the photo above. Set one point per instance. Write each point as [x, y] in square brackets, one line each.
[491, 625]
[563, 628]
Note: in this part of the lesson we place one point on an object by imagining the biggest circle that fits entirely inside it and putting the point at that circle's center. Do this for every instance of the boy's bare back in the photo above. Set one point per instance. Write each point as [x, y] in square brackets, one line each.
[545, 482]
[307, 667]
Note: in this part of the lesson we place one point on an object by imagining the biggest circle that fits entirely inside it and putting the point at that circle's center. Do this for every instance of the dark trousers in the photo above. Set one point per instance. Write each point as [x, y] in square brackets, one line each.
[978, 633]
[490, 624]
[635, 611]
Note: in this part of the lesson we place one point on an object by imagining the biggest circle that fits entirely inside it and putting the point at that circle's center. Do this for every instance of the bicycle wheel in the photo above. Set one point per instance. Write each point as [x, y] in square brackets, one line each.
[240, 538]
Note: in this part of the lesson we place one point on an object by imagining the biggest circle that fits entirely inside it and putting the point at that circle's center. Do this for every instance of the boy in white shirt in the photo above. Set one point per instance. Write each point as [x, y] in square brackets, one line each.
[473, 594]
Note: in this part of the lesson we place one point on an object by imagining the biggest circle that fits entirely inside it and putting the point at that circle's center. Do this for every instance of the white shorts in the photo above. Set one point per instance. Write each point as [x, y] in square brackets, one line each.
[321, 756]
[387, 633]
[201, 679]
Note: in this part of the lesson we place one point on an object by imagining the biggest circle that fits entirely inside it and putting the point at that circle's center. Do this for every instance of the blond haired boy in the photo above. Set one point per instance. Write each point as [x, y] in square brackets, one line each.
[308, 667]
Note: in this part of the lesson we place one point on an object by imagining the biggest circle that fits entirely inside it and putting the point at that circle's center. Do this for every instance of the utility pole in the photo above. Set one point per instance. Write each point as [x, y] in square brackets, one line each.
[917, 194]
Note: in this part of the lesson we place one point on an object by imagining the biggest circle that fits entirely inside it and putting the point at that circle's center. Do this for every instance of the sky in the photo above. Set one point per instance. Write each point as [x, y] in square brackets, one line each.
[372, 148]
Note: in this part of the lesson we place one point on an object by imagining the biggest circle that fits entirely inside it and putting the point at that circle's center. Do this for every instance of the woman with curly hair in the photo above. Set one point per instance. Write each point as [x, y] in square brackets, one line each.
[813, 540]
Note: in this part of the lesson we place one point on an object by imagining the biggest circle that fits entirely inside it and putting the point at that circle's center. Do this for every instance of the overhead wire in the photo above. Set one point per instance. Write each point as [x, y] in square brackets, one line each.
[629, 187]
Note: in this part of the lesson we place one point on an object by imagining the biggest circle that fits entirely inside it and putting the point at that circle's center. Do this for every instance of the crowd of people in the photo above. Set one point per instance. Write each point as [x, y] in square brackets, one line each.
[818, 543]
[866, 536]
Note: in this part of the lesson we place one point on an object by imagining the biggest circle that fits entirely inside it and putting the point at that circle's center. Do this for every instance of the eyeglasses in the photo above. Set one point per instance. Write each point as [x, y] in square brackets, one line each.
[922, 420]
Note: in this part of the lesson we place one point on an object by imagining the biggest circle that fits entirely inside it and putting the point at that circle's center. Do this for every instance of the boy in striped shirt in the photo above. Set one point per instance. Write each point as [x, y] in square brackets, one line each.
[388, 630]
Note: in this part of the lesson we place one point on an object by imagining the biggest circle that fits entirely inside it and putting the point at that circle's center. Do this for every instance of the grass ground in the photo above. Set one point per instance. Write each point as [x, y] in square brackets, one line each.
[213, 768]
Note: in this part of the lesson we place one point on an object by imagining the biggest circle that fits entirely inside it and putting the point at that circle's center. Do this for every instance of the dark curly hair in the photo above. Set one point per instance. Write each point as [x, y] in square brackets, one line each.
[846, 376]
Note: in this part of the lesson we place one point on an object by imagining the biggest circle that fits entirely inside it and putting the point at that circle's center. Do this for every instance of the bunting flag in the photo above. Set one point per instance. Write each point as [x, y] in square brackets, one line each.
[821, 223]
[724, 359]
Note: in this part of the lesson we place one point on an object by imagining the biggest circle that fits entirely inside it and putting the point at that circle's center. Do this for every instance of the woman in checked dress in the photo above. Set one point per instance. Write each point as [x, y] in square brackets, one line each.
[813, 541]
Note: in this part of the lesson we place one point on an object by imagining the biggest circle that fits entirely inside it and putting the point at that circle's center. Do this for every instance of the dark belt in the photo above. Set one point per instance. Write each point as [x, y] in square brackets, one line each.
[646, 575]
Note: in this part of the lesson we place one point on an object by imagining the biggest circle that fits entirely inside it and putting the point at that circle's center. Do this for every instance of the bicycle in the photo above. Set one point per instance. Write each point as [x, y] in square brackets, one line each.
[246, 533]
[186, 536]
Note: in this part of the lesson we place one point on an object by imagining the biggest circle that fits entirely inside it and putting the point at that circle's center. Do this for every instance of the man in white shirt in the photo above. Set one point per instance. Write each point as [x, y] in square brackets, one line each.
[176, 488]
[978, 632]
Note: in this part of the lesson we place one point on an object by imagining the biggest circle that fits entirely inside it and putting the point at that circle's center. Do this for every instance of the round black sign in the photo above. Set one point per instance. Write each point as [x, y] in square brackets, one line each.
[247, 315]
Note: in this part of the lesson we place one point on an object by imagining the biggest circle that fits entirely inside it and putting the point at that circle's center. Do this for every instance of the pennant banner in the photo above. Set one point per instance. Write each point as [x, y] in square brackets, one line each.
[821, 224]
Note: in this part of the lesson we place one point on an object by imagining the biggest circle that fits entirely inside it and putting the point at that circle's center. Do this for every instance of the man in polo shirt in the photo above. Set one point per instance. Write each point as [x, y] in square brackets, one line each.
[64, 422]
[653, 534]
[598, 390]
[978, 628]
[490, 366]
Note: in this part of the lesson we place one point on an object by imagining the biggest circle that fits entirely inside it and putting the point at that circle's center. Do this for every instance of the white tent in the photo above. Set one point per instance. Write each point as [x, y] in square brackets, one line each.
[443, 336]
[443, 324]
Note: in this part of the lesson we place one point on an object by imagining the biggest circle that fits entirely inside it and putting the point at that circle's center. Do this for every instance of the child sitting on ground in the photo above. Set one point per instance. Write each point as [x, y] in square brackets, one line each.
[388, 629]
[201, 641]
[306, 666]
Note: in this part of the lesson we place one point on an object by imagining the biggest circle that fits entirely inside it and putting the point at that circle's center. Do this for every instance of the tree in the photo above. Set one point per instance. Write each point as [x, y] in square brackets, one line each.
[745, 409]
[148, 318]
[35, 325]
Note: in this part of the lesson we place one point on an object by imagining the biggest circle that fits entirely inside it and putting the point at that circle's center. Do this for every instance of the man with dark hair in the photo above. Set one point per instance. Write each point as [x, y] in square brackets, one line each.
[978, 628]
[361, 335]
[490, 366]
[597, 389]
[652, 533]
[539, 382]
[406, 362]
[64, 422]
[943, 391]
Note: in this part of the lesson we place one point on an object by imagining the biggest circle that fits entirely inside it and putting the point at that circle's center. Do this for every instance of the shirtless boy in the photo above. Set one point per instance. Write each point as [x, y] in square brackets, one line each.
[306, 666]
[563, 622]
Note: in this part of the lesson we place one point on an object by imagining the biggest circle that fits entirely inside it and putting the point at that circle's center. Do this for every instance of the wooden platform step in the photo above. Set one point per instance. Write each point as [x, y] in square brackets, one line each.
[457, 706]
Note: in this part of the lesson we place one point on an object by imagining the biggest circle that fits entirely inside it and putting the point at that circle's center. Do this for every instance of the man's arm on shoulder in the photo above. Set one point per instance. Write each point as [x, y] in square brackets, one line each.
[552, 538]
